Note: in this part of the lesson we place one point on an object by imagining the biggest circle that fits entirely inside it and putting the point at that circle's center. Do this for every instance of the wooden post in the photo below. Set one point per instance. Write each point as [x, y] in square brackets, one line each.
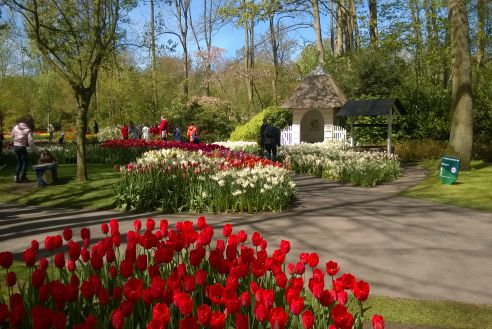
[352, 141]
[390, 126]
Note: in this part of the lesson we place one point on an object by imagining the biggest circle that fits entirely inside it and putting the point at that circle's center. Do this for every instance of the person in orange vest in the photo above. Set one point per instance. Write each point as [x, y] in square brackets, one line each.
[192, 134]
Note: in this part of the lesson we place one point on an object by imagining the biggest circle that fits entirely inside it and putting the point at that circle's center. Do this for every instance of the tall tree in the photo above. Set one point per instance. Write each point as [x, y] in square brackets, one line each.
[354, 23]
[245, 14]
[317, 31]
[417, 28]
[182, 14]
[74, 38]
[373, 22]
[332, 29]
[210, 23]
[155, 96]
[482, 17]
[339, 30]
[461, 134]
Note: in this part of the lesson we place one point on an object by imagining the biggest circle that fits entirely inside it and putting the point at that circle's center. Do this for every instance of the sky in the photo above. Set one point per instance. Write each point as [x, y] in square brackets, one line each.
[229, 37]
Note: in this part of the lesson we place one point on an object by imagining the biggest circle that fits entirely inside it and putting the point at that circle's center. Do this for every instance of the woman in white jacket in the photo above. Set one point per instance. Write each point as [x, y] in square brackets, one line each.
[22, 138]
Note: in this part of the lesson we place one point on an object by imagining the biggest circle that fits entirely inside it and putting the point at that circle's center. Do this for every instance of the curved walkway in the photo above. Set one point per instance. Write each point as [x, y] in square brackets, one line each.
[402, 246]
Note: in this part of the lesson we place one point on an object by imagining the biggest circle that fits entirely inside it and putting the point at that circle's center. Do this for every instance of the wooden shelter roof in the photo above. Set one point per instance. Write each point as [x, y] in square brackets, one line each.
[318, 90]
[370, 107]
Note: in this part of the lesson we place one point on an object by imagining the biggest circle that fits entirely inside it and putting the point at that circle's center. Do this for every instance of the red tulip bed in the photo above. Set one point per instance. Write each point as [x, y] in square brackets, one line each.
[158, 144]
[178, 278]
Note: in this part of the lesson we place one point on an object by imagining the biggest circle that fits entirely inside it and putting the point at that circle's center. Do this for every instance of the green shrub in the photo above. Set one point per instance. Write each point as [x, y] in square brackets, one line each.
[416, 150]
[250, 131]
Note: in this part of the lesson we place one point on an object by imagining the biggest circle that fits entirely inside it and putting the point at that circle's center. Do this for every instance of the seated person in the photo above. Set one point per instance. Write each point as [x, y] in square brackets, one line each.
[46, 172]
[61, 140]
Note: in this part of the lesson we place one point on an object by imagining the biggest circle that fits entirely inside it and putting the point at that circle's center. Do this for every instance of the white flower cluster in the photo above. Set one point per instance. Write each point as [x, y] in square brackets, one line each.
[240, 146]
[109, 133]
[333, 161]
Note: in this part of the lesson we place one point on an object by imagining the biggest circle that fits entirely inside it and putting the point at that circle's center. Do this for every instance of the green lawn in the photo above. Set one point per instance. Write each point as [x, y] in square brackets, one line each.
[96, 193]
[472, 189]
[441, 314]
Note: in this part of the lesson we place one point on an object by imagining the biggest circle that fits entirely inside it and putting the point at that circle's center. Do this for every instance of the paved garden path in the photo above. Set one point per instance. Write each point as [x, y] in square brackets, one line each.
[402, 246]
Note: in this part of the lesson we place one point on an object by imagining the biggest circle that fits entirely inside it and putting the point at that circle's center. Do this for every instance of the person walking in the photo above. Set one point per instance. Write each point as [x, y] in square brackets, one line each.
[95, 128]
[124, 131]
[192, 134]
[177, 134]
[132, 131]
[163, 128]
[22, 138]
[145, 132]
[271, 137]
[51, 131]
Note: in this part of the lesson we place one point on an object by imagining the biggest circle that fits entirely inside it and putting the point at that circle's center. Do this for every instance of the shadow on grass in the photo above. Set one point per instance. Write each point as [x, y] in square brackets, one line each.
[482, 165]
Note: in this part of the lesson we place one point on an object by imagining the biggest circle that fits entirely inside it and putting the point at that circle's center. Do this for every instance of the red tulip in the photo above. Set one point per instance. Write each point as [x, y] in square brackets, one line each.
[185, 304]
[377, 321]
[341, 317]
[67, 234]
[307, 319]
[162, 313]
[296, 305]
[242, 321]
[261, 312]
[313, 259]
[204, 313]
[85, 233]
[361, 290]
[217, 320]
[227, 230]
[278, 318]
[117, 319]
[11, 279]
[332, 268]
[104, 228]
[29, 257]
[60, 260]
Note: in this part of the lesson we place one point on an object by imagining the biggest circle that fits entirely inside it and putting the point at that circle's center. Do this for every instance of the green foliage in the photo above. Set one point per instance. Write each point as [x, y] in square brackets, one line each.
[211, 116]
[250, 131]
[417, 150]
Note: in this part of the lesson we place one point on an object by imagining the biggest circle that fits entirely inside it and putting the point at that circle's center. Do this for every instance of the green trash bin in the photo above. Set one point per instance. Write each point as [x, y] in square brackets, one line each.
[450, 166]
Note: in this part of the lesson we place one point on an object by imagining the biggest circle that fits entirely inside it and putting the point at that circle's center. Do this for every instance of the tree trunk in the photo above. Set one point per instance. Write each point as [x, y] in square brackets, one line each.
[373, 22]
[83, 96]
[186, 69]
[153, 58]
[251, 55]
[417, 25]
[347, 27]
[481, 38]
[461, 134]
[339, 42]
[273, 42]
[353, 15]
[332, 29]
[317, 30]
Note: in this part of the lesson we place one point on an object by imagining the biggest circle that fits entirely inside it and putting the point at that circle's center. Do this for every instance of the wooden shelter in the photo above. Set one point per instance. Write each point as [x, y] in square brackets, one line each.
[314, 105]
[373, 107]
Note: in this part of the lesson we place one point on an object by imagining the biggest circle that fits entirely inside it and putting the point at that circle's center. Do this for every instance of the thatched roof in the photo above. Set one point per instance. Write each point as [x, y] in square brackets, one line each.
[371, 107]
[318, 90]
